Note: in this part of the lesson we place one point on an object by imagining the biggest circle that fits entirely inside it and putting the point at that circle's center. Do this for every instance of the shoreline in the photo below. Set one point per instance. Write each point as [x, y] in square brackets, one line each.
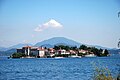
[50, 57]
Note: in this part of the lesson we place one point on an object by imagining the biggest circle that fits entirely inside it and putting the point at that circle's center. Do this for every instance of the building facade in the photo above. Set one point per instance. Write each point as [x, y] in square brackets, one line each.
[32, 51]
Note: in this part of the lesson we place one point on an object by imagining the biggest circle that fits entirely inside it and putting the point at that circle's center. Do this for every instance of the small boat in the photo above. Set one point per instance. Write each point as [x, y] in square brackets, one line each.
[58, 57]
[90, 55]
[76, 56]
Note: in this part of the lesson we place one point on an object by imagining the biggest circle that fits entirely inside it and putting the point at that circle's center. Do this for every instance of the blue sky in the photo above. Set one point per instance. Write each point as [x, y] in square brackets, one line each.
[93, 22]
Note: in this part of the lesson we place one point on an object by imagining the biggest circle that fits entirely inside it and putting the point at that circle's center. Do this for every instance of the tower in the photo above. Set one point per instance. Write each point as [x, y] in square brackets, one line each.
[28, 51]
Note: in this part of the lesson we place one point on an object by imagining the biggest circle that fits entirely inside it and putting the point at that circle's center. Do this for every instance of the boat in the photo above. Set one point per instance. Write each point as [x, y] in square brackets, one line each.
[58, 57]
[76, 56]
[90, 55]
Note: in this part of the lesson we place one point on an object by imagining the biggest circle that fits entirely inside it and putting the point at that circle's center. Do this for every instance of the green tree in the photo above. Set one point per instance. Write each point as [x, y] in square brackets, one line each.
[67, 48]
[84, 47]
[56, 47]
[73, 48]
[100, 50]
[62, 47]
[18, 55]
[106, 52]
[95, 51]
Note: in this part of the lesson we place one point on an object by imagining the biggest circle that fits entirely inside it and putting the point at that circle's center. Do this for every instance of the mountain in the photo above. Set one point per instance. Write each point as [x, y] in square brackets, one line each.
[58, 40]
[47, 45]
[63, 41]
[19, 45]
[3, 49]
[50, 44]
[114, 51]
[8, 52]
[97, 46]
[14, 47]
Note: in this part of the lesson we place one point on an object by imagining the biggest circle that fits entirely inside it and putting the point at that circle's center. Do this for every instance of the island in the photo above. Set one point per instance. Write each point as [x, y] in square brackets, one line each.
[59, 51]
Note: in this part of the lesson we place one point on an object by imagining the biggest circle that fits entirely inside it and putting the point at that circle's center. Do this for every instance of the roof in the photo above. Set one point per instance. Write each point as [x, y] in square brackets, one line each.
[27, 47]
[41, 49]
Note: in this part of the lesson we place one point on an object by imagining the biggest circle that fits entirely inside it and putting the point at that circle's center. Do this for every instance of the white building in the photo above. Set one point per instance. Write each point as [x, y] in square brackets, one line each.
[63, 51]
[32, 51]
[41, 52]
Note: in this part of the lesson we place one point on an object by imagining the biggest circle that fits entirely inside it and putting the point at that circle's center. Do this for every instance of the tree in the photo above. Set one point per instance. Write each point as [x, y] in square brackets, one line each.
[67, 48]
[61, 47]
[56, 47]
[45, 47]
[101, 50]
[73, 48]
[18, 55]
[106, 52]
[95, 51]
[84, 47]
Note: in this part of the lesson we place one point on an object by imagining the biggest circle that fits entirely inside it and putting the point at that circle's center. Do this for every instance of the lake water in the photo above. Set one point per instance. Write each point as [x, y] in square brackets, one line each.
[55, 69]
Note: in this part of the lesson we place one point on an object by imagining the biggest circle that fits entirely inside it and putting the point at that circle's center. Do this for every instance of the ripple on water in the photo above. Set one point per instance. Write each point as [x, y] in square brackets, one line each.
[53, 69]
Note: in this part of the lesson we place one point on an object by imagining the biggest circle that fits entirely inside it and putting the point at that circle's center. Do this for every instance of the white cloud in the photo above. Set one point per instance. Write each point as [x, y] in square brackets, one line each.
[38, 29]
[50, 24]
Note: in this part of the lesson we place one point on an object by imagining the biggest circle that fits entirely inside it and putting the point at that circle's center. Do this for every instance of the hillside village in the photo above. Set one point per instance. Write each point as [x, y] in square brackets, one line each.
[59, 52]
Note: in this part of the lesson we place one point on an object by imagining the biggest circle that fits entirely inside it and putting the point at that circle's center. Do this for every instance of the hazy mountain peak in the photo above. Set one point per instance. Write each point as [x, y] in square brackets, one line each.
[57, 40]
[20, 45]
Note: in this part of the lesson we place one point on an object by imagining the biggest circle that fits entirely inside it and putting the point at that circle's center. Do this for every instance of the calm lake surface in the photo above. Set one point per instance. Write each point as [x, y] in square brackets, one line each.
[55, 69]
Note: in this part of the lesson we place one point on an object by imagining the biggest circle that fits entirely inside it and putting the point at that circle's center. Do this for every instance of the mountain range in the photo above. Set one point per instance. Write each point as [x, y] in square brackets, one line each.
[58, 41]
[46, 43]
